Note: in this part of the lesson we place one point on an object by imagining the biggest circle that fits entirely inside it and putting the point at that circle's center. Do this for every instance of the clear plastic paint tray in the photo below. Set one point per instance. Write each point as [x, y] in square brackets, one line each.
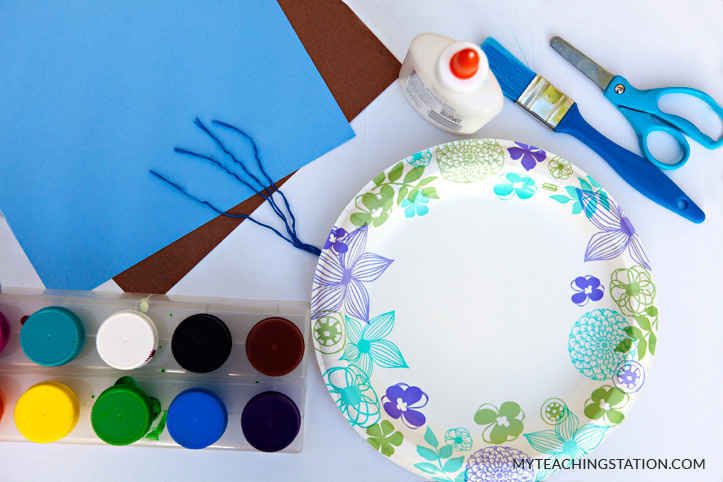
[235, 382]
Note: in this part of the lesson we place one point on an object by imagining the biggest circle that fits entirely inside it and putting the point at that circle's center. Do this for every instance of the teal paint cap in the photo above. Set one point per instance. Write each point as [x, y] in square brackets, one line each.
[52, 336]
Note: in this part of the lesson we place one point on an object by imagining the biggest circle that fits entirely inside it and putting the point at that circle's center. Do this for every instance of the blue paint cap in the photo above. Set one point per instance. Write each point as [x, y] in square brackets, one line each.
[270, 421]
[196, 418]
[52, 336]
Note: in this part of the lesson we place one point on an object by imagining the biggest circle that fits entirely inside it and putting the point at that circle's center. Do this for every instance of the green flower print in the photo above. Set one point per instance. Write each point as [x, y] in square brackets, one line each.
[643, 336]
[515, 184]
[384, 437]
[459, 439]
[329, 332]
[560, 168]
[378, 207]
[553, 411]
[354, 395]
[367, 347]
[396, 186]
[604, 404]
[634, 292]
[568, 441]
[503, 424]
[632, 289]
[470, 160]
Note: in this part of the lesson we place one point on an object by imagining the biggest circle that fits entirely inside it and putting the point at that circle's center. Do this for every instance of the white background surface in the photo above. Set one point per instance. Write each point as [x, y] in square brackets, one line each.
[651, 43]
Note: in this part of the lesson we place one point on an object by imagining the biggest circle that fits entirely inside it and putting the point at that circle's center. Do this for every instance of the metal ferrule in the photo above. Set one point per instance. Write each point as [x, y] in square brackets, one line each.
[544, 101]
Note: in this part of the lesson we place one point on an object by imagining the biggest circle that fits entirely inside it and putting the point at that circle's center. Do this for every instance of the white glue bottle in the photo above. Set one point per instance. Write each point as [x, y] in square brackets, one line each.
[450, 84]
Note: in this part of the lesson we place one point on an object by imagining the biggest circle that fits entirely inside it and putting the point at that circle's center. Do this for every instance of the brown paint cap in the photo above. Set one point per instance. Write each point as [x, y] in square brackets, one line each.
[275, 346]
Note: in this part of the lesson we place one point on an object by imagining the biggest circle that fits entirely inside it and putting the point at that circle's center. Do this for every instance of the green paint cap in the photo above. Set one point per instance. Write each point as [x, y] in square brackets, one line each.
[123, 413]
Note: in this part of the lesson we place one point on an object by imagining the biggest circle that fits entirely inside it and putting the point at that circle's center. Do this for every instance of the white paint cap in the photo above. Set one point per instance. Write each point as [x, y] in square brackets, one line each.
[127, 340]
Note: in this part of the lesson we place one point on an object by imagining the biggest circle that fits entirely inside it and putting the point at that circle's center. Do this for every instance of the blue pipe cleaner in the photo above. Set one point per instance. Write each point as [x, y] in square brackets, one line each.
[261, 167]
[271, 188]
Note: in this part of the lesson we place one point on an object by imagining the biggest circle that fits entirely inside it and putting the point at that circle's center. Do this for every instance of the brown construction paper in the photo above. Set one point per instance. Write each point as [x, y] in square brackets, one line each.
[355, 66]
[159, 272]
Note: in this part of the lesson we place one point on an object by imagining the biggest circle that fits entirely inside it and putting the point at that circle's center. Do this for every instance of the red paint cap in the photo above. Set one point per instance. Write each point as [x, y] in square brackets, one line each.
[464, 64]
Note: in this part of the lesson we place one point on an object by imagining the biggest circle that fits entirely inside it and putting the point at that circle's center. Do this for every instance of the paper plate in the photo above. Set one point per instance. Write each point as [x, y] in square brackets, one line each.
[484, 311]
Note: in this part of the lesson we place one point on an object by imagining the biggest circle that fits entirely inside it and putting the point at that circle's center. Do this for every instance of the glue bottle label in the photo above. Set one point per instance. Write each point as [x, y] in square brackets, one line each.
[427, 102]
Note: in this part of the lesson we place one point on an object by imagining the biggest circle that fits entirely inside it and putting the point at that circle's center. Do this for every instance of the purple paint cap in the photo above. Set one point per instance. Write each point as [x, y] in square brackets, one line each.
[270, 421]
[4, 332]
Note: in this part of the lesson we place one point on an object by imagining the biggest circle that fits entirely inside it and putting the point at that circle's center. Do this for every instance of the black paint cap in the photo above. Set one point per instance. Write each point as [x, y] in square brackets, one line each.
[270, 421]
[201, 343]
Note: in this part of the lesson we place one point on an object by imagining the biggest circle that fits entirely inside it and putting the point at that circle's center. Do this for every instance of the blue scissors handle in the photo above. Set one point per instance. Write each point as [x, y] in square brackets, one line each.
[644, 124]
[625, 96]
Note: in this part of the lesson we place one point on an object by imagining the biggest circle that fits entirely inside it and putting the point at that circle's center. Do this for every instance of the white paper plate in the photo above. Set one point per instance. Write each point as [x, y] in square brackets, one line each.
[480, 304]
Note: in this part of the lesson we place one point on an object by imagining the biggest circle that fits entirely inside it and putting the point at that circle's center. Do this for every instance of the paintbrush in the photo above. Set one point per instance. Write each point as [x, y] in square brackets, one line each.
[561, 114]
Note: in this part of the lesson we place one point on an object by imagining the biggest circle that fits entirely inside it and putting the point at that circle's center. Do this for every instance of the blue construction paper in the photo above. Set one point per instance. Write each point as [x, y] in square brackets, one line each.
[94, 94]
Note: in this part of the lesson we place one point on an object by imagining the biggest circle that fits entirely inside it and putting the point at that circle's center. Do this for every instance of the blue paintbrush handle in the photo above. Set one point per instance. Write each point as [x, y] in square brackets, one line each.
[647, 179]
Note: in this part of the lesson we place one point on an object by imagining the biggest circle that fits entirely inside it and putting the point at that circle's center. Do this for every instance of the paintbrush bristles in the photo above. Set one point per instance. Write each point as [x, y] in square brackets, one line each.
[512, 75]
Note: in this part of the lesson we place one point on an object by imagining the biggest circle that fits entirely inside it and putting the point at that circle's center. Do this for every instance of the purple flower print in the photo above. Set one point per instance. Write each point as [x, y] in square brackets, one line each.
[530, 155]
[404, 401]
[617, 236]
[336, 240]
[588, 288]
[339, 278]
[630, 376]
[495, 464]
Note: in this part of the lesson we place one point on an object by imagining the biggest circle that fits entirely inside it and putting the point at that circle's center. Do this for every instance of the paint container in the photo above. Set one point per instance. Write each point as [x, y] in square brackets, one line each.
[123, 413]
[52, 336]
[46, 412]
[127, 340]
[201, 343]
[270, 421]
[4, 332]
[197, 418]
[101, 394]
[275, 346]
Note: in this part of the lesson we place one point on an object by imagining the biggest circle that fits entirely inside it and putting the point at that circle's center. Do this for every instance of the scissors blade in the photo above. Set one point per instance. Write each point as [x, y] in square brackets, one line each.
[582, 62]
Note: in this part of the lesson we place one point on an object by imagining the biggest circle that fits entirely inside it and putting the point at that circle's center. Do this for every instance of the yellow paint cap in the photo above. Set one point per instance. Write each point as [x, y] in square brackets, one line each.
[46, 412]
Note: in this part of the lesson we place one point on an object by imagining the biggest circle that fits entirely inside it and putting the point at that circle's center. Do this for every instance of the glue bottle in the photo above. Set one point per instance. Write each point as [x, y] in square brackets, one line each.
[450, 84]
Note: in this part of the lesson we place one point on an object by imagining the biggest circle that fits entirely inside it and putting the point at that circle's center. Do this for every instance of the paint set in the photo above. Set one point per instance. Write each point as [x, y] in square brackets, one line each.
[152, 370]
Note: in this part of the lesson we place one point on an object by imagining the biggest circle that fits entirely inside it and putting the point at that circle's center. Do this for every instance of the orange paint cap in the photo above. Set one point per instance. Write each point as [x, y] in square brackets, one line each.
[464, 64]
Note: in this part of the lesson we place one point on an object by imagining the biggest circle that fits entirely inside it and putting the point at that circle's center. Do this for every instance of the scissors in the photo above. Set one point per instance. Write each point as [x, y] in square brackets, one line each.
[640, 107]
